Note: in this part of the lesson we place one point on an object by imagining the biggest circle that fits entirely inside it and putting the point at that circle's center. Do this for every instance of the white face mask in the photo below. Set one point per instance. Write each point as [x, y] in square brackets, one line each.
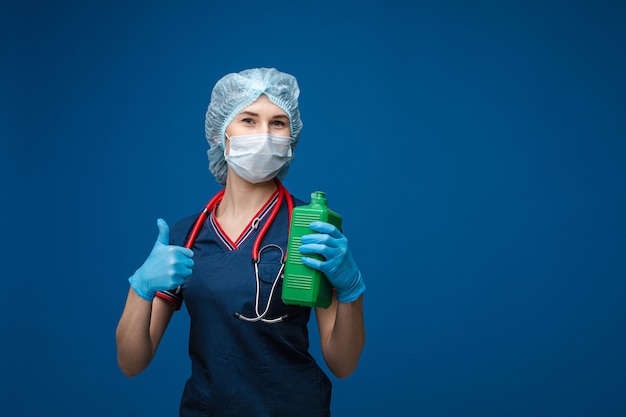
[258, 158]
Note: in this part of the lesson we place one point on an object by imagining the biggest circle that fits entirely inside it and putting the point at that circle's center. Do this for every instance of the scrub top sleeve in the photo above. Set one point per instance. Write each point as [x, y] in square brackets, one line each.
[173, 297]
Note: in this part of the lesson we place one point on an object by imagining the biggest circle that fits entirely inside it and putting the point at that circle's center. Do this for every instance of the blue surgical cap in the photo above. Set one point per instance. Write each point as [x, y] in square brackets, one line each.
[236, 91]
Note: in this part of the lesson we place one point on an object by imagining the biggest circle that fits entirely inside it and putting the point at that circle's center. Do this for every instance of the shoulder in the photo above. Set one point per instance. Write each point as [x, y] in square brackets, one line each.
[180, 229]
[297, 201]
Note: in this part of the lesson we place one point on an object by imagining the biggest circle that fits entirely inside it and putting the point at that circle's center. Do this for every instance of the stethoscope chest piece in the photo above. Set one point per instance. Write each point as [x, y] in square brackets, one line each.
[262, 316]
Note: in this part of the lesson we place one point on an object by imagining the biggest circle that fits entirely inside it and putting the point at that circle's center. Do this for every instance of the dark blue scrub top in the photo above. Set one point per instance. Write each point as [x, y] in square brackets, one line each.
[239, 368]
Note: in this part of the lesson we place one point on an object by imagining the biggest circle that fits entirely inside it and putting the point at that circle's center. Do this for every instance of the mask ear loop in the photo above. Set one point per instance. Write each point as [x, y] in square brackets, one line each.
[227, 137]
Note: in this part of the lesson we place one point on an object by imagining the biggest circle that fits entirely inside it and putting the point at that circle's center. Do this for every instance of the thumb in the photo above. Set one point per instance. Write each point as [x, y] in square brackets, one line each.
[164, 232]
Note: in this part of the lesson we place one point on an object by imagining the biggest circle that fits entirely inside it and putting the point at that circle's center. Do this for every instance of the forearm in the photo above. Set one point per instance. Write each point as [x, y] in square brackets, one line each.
[345, 341]
[136, 341]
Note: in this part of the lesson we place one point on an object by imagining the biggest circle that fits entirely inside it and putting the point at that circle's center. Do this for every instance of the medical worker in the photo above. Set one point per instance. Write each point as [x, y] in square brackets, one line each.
[249, 351]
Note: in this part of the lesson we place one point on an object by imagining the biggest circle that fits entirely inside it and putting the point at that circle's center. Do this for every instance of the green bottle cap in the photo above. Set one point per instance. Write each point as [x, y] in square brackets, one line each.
[317, 197]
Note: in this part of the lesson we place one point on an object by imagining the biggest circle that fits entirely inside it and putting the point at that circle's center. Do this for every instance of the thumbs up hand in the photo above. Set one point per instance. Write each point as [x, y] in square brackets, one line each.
[167, 266]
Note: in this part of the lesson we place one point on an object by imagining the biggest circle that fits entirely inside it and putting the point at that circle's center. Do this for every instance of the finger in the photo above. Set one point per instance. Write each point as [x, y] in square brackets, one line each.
[178, 280]
[321, 239]
[318, 249]
[323, 227]
[313, 263]
[164, 232]
[185, 261]
[186, 252]
[182, 270]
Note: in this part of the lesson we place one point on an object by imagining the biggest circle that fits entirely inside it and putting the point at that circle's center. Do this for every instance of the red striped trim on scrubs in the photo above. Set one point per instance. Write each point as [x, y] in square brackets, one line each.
[172, 297]
[252, 226]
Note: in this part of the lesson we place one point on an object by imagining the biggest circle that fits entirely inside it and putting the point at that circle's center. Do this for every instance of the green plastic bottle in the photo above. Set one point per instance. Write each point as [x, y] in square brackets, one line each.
[302, 285]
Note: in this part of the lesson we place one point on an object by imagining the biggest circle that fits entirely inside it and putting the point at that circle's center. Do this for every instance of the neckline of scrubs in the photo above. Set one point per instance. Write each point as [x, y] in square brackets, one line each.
[248, 230]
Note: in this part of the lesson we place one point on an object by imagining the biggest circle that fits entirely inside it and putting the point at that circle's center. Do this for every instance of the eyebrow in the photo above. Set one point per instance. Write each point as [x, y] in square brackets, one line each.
[250, 113]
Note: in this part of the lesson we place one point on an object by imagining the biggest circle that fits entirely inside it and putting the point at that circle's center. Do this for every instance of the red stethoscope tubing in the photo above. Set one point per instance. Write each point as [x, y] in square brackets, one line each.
[282, 194]
[206, 212]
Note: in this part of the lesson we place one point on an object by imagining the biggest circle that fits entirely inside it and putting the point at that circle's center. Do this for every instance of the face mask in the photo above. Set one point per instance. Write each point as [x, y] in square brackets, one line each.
[258, 158]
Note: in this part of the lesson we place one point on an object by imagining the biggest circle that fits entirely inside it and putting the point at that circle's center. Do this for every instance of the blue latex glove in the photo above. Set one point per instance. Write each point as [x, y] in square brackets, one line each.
[338, 266]
[166, 268]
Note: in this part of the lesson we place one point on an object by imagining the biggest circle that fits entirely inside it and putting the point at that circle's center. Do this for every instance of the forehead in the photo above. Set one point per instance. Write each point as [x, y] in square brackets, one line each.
[263, 105]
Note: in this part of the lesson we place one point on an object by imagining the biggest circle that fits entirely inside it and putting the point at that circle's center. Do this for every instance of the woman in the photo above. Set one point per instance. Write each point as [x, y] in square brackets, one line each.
[249, 351]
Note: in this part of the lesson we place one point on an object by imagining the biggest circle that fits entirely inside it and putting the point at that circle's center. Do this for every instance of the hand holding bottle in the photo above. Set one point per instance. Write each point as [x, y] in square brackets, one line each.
[338, 266]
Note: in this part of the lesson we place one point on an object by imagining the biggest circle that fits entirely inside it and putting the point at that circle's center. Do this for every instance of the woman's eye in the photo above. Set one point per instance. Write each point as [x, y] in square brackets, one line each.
[278, 123]
[247, 120]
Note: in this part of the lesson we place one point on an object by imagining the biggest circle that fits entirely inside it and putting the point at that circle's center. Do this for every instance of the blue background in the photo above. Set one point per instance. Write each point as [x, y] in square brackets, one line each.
[475, 149]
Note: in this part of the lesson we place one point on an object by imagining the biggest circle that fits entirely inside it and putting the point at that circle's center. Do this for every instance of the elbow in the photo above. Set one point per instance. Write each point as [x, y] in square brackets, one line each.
[128, 371]
[342, 374]
[342, 367]
[127, 368]
[130, 359]
[130, 368]
[129, 362]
